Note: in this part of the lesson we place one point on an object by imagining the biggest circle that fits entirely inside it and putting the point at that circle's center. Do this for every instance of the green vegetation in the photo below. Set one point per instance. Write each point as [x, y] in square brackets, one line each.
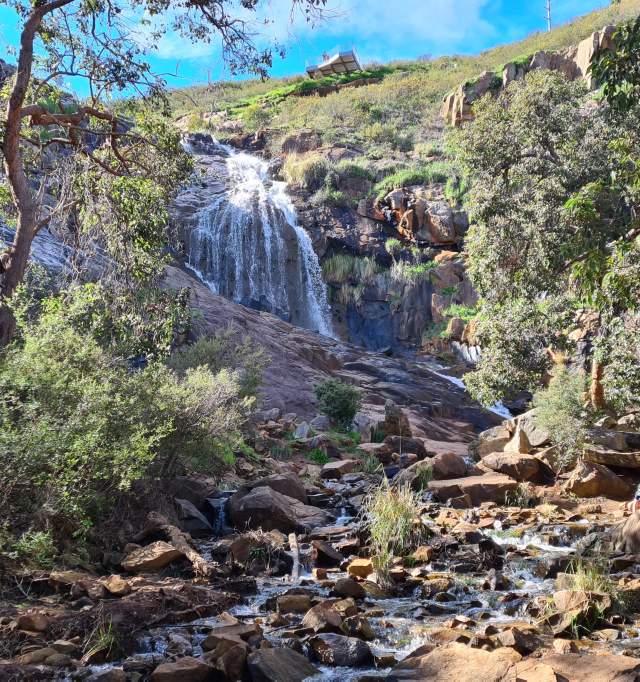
[552, 200]
[523, 496]
[408, 273]
[437, 171]
[318, 456]
[590, 576]
[388, 514]
[560, 410]
[338, 401]
[78, 427]
[223, 351]
[406, 98]
[344, 269]
[462, 312]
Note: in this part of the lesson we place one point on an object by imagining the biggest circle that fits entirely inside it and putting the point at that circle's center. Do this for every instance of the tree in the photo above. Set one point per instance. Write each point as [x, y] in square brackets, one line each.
[553, 204]
[47, 129]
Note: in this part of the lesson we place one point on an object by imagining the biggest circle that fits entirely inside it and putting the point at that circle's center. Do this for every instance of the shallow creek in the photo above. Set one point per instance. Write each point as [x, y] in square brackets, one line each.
[478, 601]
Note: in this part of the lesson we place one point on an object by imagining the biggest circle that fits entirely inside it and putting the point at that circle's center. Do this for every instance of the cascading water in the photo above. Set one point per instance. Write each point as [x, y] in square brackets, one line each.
[248, 247]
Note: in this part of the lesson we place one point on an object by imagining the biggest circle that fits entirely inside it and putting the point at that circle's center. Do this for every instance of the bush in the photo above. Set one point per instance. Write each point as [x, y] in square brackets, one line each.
[78, 426]
[560, 409]
[434, 172]
[409, 273]
[338, 401]
[344, 268]
[331, 197]
[36, 548]
[224, 351]
[388, 515]
[463, 312]
[306, 171]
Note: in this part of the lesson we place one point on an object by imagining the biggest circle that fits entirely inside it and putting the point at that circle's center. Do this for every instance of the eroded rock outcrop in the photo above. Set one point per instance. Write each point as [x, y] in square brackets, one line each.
[573, 62]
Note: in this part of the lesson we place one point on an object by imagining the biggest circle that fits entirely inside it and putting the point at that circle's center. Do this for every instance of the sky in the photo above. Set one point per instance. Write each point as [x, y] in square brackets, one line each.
[379, 30]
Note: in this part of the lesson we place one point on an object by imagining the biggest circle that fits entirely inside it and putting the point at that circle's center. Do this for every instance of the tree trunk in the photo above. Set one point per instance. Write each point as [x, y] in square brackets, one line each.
[596, 391]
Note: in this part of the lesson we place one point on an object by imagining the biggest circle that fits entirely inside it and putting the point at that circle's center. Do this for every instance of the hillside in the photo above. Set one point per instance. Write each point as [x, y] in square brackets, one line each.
[397, 114]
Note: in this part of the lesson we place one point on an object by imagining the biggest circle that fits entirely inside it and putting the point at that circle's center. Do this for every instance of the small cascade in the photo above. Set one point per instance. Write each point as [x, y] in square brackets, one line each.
[248, 247]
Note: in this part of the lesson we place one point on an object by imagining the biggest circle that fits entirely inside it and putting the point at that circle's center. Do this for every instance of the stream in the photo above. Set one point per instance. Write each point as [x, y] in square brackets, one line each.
[479, 591]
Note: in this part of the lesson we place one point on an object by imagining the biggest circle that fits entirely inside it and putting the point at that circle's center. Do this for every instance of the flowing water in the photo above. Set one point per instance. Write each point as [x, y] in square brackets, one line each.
[248, 247]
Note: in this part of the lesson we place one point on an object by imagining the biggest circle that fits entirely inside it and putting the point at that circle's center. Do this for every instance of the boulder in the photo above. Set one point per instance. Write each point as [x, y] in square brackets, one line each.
[321, 423]
[458, 662]
[493, 440]
[185, 669]
[338, 650]
[626, 535]
[348, 587]
[519, 444]
[336, 470]
[117, 586]
[287, 483]
[520, 467]
[265, 508]
[576, 607]
[415, 476]
[360, 568]
[382, 451]
[396, 422]
[486, 488]
[536, 435]
[323, 617]
[402, 444]
[302, 431]
[595, 480]
[582, 668]
[325, 554]
[153, 557]
[293, 603]
[191, 519]
[279, 665]
[448, 465]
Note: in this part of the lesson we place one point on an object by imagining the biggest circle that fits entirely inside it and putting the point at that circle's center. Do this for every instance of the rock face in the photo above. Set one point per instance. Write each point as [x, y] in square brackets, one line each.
[573, 62]
[265, 508]
[594, 480]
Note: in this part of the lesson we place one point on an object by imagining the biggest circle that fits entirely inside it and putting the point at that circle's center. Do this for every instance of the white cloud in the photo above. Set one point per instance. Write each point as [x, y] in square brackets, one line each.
[425, 25]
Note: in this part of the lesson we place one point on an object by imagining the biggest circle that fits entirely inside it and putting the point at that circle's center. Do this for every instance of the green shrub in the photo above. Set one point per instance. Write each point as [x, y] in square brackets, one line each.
[393, 247]
[463, 312]
[331, 197]
[224, 351]
[338, 401]
[435, 172]
[36, 548]
[388, 516]
[78, 426]
[318, 456]
[410, 273]
[560, 409]
[307, 171]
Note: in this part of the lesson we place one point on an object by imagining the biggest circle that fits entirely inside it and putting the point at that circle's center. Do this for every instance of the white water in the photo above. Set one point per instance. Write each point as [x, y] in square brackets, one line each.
[498, 408]
[249, 247]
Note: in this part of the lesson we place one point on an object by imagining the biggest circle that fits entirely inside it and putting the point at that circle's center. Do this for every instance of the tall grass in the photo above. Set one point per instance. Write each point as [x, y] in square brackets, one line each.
[388, 515]
[590, 576]
[346, 269]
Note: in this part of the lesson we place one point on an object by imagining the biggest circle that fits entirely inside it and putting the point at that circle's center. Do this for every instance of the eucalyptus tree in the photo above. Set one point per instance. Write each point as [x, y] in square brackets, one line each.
[46, 132]
[553, 203]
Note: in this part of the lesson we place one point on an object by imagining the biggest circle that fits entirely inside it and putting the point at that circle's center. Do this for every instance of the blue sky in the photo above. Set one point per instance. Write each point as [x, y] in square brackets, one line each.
[380, 30]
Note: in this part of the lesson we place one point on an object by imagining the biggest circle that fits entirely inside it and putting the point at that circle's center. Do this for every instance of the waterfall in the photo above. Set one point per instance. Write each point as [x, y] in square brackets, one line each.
[247, 246]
